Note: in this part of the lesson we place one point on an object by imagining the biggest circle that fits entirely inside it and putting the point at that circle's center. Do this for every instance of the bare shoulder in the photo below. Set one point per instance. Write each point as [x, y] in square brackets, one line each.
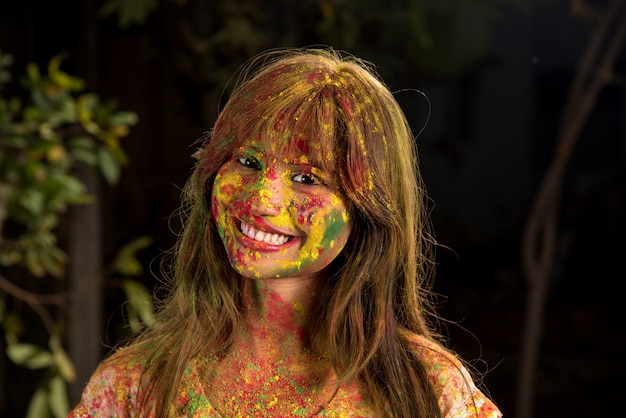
[453, 384]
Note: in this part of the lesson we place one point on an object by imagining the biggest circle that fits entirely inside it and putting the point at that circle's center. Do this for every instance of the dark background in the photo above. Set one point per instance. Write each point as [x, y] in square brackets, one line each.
[496, 86]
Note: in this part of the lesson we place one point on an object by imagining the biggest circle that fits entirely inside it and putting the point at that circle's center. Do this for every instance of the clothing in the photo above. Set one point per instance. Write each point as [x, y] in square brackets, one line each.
[112, 391]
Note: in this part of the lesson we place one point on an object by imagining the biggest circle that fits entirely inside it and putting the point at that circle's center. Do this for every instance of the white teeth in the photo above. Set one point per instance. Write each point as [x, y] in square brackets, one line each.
[261, 236]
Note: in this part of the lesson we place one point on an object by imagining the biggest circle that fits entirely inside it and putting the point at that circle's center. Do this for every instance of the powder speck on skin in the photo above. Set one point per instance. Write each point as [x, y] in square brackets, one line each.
[298, 308]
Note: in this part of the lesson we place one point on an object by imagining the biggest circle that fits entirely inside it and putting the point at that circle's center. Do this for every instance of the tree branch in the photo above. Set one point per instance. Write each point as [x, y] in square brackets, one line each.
[539, 239]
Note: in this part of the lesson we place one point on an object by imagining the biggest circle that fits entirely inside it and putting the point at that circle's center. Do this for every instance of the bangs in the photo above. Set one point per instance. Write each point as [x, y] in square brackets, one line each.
[302, 124]
[314, 113]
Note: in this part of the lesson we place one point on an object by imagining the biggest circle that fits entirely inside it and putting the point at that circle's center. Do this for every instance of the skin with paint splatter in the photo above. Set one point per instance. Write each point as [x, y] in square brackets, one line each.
[277, 214]
[269, 369]
[282, 222]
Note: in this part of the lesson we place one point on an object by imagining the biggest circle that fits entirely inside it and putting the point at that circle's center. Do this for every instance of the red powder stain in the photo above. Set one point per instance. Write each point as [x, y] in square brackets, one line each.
[271, 173]
[346, 105]
[240, 256]
[241, 207]
[302, 146]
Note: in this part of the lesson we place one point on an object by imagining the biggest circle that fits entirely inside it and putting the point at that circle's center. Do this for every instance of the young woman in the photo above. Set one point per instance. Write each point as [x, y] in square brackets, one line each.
[300, 281]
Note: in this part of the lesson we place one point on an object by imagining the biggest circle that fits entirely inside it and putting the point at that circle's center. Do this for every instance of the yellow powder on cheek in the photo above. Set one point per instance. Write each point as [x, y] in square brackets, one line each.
[228, 184]
[314, 241]
[284, 219]
[336, 200]
[230, 178]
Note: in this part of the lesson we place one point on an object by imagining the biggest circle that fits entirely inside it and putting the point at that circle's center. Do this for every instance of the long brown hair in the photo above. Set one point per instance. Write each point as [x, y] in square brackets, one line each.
[378, 290]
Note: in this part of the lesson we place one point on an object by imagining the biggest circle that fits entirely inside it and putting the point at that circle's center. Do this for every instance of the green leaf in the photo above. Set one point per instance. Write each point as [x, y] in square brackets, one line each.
[140, 300]
[53, 261]
[38, 405]
[32, 113]
[81, 141]
[126, 261]
[61, 359]
[72, 186]
[32, 261]
[61, 78]
[119, 154]
[85, 105]
[129, 266]
[33, 72]
[66, 81]
[32, 200]
[134, 323]
[128, 11]
[83, 149]
[29, 356]
[13, 327]
[109, 166]
[123, 119]
[57, 397]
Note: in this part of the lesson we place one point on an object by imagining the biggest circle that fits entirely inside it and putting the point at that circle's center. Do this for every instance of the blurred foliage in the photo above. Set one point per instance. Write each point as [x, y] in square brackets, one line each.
[50, 399]
[131, 12]
[46, 135]
[42, 142]
[439, 39]
[436, 38]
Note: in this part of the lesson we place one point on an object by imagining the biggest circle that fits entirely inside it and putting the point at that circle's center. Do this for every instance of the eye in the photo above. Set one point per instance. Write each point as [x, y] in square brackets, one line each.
[307, 179]
[251, 163]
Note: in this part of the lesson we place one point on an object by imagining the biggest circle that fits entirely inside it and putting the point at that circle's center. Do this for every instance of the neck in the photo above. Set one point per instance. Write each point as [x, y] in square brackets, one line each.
[271, 354]
[279, 307]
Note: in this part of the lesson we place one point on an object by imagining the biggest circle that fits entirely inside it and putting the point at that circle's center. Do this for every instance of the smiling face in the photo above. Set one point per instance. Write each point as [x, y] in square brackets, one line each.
[278, 214]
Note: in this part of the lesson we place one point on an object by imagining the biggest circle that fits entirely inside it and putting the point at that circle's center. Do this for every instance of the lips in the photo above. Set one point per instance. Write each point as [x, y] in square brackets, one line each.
[263, 236]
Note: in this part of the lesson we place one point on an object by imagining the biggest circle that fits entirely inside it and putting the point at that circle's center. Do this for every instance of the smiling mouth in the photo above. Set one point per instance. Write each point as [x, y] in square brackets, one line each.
[262, 236]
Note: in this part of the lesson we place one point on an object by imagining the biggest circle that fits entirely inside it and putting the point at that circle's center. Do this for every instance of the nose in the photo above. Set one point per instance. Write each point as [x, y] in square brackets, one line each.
[267, 195]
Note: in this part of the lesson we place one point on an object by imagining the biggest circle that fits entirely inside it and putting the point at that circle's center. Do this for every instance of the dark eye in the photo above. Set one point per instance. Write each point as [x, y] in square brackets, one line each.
[251, 163]
[308, 179]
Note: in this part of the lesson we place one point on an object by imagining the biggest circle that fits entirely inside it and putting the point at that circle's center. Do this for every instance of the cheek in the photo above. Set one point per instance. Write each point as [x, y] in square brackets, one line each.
[328, 232]
[323, 216]
[310, 211]
[227, 188]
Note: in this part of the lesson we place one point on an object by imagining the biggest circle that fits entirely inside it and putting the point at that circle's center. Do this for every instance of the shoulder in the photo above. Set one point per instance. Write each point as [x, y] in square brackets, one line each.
[113, 389]
[453, 385]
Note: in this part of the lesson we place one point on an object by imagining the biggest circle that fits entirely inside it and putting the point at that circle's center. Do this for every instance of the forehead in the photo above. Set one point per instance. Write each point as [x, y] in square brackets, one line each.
[297, 143]
[289, 115]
